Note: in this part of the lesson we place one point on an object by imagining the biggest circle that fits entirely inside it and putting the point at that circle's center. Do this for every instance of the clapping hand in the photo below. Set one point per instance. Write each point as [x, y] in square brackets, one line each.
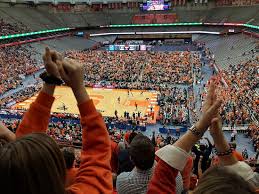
[52, 62]
[210, 109]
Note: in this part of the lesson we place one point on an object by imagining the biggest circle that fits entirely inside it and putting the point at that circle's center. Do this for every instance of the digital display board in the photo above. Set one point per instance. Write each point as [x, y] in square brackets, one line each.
[143, 47]
[155, 5]
[131, 47]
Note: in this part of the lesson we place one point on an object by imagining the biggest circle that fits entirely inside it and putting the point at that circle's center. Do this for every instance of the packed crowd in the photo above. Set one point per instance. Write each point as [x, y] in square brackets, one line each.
[125, 161]
[234, 111]
[243, 79]
[173, 104]
[240, 94]
[136, 70]
[12, 28]
[20, 96]
[15, 63]
[167, 68]
[253, 133]
[134, 164]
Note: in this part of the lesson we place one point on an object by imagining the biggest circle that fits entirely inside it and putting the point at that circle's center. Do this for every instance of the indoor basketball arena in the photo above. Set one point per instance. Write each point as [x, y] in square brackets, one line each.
[129, 97]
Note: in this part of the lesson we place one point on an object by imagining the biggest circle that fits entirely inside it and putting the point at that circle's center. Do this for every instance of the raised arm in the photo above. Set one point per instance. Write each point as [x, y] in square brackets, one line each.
[174, 158]
[36, 119]
[226, 157]
[94, 175]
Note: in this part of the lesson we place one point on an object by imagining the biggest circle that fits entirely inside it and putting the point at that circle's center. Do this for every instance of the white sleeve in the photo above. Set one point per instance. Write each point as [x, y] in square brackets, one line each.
[243, 170]
[173, 156]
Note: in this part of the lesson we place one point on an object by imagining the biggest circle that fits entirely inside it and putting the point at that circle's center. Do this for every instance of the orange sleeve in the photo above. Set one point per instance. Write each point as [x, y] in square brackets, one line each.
[163, 179]
[36, 119]
[114, 157]
[238, 156]
[71, 176]
[186, 173]
[94, 175]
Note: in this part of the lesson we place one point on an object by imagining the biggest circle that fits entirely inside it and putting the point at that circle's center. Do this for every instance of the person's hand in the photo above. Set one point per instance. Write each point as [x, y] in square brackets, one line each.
[72, 73]
[210, 109]
[6, 134]
[216, 126]
[52, 62]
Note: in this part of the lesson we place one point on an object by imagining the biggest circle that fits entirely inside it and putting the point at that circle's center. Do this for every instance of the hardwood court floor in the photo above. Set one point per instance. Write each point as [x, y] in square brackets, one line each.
[105, 100]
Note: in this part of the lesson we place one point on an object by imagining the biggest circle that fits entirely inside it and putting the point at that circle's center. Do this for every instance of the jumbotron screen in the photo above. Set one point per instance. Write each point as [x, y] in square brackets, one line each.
[152, 5]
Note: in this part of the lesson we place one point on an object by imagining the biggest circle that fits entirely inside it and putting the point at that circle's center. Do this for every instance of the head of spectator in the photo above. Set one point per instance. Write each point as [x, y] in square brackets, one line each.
[128, 137]
[132, 136]
[142, 152]
[71, 171]
[21, 161]
[219, 180]
[69, 156]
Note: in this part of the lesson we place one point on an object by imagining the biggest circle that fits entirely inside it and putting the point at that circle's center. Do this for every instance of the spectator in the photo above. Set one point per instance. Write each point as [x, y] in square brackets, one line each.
[233, 178]
[71, 171]
[142, 154]
[34, 159]
[125, 164]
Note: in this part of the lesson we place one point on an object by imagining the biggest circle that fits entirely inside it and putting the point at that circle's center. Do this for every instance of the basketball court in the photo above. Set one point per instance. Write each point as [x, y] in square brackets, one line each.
[105, 100]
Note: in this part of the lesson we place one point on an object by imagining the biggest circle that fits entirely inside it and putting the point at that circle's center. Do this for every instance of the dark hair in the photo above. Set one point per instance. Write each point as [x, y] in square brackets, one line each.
[142, 152]
[32, 164]
[69, 156]
[220, 180]
[131, 136]
[2, 142]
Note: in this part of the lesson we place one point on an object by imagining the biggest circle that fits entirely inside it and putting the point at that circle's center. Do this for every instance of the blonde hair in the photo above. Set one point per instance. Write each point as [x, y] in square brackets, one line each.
[220, 180]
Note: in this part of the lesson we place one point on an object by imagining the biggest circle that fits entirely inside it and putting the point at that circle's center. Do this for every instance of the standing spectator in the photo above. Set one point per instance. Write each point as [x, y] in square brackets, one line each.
[245, 154]
[233, 136]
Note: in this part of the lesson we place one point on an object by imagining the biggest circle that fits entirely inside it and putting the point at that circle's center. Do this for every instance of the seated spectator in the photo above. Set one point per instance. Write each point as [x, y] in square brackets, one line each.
[71, 171]
[34, 164]
[142, 154]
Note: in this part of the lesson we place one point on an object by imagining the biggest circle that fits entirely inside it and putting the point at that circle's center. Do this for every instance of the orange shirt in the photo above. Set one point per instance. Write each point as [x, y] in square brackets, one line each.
[71, 176]
[186, 173]
[114, 157]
